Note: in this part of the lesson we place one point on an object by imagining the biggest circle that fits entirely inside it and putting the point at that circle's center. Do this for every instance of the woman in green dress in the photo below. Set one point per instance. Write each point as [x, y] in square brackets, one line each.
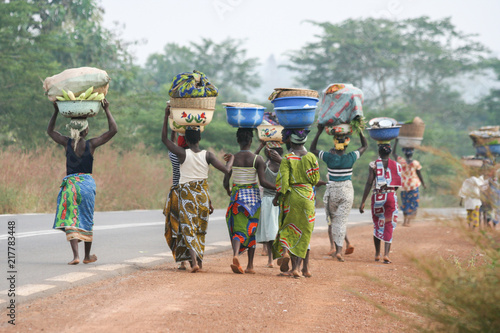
[297, 176]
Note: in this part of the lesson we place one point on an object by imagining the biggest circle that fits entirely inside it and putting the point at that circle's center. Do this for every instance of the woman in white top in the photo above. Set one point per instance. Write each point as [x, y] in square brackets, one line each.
[193, 194]
[243, 213]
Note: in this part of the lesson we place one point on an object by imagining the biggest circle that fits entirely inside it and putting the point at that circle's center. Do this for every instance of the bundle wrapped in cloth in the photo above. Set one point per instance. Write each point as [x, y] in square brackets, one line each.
[192, 99]
[76, 81]
[340, 103]
[193, 84]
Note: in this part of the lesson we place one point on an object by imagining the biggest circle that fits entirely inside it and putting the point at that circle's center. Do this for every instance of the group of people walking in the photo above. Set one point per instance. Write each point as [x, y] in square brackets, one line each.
[282, 218]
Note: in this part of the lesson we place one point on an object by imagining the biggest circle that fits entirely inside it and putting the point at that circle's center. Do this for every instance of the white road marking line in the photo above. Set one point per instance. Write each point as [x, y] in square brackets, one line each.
[163, 254]
[208, 248]
[30, 289]
[143, 260]
[110, 267]
[102, 227]
[221, 243]
[320, 227]
[71, 277]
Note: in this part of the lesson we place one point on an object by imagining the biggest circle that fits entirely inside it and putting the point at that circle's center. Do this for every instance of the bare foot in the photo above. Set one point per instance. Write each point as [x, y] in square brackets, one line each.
[195, 269]
[288, 274]
[92, 258]
[296, 274]
[332, 251]
[377, 258]
[270, 265]
[74, 262]
[236, 267]
[306, 274]
[249, 271]
[349, 250]
[339, 257]
[284, 264]
[387, 260]
[182, 266]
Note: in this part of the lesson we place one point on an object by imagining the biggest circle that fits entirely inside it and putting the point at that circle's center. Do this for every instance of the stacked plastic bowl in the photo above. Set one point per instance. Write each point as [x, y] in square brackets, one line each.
[295, 111]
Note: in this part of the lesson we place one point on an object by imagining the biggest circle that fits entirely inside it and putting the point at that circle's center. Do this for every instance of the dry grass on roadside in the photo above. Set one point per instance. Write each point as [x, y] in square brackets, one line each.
[452, 293]
[29, 181]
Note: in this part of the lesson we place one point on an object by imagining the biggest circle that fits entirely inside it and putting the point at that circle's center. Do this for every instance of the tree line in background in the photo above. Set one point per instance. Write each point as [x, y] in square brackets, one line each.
[413, 67]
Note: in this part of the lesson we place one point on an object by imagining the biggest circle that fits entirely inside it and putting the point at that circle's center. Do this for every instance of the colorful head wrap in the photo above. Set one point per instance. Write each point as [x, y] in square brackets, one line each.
[297, 136]
[181, 141]
[341, 143]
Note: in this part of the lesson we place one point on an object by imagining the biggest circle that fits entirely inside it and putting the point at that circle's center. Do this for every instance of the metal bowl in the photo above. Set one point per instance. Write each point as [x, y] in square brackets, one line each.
[79, 109]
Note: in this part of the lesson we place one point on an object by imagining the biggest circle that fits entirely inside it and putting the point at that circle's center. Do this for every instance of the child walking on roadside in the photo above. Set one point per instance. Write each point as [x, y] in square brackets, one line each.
[269, 214]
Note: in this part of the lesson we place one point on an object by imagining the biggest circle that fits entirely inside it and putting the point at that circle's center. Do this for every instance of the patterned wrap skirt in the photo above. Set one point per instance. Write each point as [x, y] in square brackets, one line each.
[193, 209]
[171, 212]
[242, 216]
[338, 200]
[384, 214]
[75, 207]
[409, 202]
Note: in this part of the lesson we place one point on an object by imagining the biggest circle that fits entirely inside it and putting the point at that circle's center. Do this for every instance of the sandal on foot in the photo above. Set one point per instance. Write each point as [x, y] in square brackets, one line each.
[284, 264]
[349, 250]
[339, 257]
[236, 267]
[377, 258]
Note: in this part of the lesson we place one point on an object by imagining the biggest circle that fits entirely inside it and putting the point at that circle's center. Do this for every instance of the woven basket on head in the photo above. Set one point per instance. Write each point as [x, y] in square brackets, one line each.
[294, 92]
[412, 130]
[193, 103]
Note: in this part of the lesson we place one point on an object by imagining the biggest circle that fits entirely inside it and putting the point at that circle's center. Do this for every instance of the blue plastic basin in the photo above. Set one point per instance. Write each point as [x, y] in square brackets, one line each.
[244, 117]
[488, 149]
[294, 117]
[296, 101]
[384, 134]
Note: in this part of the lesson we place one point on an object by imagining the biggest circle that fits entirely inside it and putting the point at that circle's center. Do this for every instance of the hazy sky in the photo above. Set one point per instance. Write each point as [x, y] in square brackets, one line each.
[276, 26]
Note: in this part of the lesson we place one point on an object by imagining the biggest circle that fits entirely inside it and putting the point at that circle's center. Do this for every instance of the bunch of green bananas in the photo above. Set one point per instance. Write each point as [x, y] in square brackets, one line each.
[87, 95]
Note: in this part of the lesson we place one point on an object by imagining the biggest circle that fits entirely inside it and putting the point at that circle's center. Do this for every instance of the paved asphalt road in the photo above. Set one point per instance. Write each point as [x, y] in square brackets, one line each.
[123, 242]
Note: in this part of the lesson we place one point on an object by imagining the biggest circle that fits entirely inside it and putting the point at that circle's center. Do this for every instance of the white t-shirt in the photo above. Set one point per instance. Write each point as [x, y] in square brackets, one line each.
[471, 192]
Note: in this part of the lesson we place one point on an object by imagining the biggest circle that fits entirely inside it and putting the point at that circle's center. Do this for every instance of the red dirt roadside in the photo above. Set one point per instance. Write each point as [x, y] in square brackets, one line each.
[163, 299]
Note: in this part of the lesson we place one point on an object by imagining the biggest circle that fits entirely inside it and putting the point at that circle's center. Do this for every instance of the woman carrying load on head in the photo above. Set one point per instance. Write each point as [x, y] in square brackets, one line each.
[269, 214]
[384, 177]
[297, 176]
[171, 209]
[243, 212]
[339, 194]
[193, 197]
[76, 199]
[411, 181]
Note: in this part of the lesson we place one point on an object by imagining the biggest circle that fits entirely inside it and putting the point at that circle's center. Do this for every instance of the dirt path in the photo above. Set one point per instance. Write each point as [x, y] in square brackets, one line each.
[163, 299]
